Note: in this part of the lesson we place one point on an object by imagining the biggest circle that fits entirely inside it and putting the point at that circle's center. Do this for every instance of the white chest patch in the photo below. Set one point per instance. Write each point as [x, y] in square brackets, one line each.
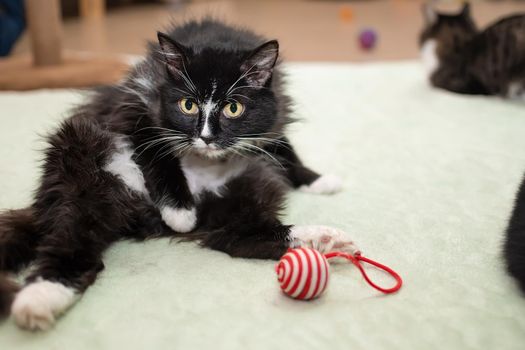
[429, 56]
[122, 165]
[210, 174]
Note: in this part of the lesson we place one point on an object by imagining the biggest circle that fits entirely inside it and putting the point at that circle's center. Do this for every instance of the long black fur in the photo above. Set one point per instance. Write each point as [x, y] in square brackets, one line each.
[514, 245]
[80, 208]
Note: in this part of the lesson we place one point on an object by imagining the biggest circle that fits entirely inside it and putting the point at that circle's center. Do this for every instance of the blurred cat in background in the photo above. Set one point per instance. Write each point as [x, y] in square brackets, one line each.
[460, 58]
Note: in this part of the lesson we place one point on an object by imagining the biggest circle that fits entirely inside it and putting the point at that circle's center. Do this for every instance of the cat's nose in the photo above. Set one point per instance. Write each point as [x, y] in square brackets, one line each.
[207, 139]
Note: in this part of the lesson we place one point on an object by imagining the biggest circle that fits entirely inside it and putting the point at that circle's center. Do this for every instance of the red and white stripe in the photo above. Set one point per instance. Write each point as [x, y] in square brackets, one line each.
[303, 273]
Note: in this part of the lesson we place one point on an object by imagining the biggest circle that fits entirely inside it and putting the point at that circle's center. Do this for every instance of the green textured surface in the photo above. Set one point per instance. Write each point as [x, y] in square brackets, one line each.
[429, 182]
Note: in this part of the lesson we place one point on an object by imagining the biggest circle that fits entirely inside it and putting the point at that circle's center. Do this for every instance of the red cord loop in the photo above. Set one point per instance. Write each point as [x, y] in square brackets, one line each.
[356, 261]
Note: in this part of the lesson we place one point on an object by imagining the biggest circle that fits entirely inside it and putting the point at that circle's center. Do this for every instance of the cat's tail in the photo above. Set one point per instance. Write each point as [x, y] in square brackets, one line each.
[18, 240]
[514, 246]
[8, 288]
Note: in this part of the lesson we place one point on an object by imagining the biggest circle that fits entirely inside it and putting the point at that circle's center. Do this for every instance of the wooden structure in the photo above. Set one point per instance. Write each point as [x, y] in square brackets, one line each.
[49, 66]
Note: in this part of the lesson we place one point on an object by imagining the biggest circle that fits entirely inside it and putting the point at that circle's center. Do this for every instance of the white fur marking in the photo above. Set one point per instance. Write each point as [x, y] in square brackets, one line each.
[206, 132]
[429, 56]
[210, 174]
[207, 108]
[38, 304]
[322, 238]
[123, 166]
[208, 151]
[144, 83]
[179, 219]
[325, 184]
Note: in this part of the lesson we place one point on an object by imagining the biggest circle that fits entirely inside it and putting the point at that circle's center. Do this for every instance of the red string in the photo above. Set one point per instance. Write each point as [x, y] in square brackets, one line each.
[355, 260]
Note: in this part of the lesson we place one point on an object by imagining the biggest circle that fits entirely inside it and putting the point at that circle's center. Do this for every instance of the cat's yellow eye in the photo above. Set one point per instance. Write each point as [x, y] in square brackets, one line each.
[188, 106]
[233, 110]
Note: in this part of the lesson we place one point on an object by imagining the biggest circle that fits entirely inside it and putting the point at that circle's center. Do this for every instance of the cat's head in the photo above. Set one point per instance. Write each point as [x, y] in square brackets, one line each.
[218, 100]
[450, 31]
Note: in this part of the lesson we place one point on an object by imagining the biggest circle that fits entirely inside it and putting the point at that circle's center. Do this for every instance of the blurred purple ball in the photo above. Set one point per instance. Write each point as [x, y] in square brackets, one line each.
[367, 39]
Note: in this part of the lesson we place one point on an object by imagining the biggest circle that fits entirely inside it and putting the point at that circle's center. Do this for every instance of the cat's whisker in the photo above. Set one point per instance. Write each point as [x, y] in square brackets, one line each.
[247, 87]
[235, 151]
[174, 149]
[189, 78]
[239, 95]
[157, 128]
[264, 134]
[147, 145]
[187, 82]
[239, 79]
[170, 148]
[162, 149]
[164, 134]
[157, 139]
[262, 138]
[241, 148]
[186, 93]
[182, 149]
[135, 92]
[258, 138]
[182, 146]
[153, 142]
[267, 141]
[248, 146]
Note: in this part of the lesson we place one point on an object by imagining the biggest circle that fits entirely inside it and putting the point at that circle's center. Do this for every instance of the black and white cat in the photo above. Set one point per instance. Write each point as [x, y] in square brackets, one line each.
[460, 58]
[192, 144]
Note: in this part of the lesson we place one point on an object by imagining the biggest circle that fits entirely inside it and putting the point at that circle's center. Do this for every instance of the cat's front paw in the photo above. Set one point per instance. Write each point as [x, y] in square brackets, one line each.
[322, 238]
[179, 219]
[38, 304]
[325, 184]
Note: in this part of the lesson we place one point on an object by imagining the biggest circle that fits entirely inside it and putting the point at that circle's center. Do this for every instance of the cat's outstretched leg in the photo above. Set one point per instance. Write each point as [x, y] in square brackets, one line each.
[300, 176]
[244, 222]
[270, 241]
[43, 299]
[69, 256]
[90, 196]
[166, 182]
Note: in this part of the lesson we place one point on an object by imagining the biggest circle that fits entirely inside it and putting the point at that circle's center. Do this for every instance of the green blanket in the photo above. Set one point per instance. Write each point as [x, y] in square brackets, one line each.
[429, 179]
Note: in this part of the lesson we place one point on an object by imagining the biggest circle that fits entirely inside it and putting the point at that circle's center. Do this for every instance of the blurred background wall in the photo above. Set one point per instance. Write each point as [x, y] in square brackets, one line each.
[309, 30]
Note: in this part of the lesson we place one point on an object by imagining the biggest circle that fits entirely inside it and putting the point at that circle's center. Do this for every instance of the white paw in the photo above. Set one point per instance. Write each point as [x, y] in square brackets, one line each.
[322, 238]
[179, 219]
[325, 184]
[38, 304]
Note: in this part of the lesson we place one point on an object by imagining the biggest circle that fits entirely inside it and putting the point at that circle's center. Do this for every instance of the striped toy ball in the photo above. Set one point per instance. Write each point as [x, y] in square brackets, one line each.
[303, 273]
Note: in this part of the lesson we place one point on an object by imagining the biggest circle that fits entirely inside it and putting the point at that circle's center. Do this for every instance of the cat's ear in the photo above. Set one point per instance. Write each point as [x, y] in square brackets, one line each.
[429, 14]
[174, 54]
[465, 12]
[257, 68]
